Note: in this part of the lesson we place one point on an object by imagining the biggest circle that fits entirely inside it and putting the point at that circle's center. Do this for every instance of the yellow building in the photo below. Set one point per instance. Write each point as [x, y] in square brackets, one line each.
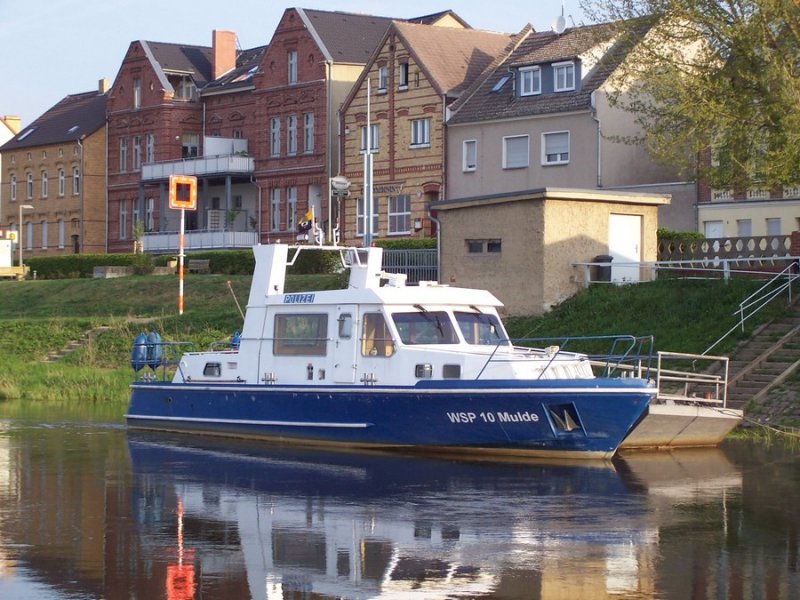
[416, 71]
[54, 179]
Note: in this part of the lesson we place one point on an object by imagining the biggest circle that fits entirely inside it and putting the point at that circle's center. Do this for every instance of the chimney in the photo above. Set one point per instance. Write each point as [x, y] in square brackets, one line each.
[13, 122]
[224, 50]
[102, 85]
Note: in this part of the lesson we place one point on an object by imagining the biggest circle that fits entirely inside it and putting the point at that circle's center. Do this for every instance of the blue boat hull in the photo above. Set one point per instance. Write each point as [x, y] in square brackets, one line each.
[577, 418]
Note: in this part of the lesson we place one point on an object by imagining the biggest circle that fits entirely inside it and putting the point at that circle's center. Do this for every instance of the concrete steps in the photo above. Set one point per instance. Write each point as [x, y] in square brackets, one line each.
[84, 340]
[770, 356]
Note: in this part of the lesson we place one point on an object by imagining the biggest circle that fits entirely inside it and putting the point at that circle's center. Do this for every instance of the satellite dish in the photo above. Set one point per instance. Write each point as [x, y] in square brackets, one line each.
[559, 25]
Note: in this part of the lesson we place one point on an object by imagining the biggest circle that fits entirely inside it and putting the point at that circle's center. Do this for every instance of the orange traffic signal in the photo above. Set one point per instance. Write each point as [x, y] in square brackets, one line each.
[183, 192]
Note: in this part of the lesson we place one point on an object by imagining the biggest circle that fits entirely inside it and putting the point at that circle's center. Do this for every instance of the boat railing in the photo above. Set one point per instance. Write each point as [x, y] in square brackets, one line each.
[610, 355]
[163, 359]
[698, 379]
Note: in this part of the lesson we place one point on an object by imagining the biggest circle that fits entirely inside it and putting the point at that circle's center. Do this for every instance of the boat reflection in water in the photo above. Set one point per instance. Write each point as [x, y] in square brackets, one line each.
[284, 522]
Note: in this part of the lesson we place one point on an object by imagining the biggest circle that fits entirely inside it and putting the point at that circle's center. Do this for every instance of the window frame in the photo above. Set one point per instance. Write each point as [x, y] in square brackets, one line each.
[374, 138]
[420, 133]
[527, 88]
[275, 209]
[566, 67]
[466, 167]
[361, 216]
[76, 181]
[291, 135]
[123, 154]
[291, 208]
[291, 60]
[45, 184]
[398, 213]
[62, 182]
[505, 158]
[275, 137]
[302, 323]
[545, 158]
[308, 132]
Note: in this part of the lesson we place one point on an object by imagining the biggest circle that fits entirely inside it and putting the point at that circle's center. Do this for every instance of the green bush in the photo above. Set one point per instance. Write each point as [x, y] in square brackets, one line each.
[408, 244]
[664, 234]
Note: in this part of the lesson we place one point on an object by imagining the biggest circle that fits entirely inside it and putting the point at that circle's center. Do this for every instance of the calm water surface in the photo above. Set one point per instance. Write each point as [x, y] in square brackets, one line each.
[89, 509]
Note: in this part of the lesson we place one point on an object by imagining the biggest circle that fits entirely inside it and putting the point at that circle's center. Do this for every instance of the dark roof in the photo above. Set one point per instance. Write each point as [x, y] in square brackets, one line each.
[74, 117]
[181, 58]
[452, 57]
[247, 63]
[348, 37]
[481, 103]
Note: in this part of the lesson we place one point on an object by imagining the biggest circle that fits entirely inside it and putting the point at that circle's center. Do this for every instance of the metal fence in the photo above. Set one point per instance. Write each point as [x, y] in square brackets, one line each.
[417, 265]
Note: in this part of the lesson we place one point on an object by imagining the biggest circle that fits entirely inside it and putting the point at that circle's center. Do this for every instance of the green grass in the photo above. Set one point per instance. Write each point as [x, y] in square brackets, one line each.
[37, 317]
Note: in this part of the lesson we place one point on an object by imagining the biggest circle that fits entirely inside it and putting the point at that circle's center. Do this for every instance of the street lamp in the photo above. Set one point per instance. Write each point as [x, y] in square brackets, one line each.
[19, 236]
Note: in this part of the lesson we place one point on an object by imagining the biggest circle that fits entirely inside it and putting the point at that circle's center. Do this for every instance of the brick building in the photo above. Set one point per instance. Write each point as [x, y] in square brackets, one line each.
[415, 73]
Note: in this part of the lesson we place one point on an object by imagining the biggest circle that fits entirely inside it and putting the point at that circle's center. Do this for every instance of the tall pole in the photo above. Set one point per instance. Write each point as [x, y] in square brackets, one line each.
[180, 263]
[368, 175]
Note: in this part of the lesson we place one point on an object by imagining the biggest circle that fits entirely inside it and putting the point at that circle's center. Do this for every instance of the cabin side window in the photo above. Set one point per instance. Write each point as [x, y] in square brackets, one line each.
[375, 337]
[300, 335]
[425, 327]
[478, 328]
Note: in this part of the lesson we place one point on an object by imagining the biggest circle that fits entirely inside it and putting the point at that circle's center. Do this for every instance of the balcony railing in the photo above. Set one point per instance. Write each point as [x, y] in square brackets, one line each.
[167, 241]
[202, 165]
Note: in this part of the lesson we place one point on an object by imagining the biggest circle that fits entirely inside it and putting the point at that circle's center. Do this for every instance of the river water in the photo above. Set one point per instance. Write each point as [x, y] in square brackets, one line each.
[89, 509]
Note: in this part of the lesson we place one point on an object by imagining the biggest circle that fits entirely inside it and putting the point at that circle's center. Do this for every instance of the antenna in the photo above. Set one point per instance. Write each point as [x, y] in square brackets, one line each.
[560, 23]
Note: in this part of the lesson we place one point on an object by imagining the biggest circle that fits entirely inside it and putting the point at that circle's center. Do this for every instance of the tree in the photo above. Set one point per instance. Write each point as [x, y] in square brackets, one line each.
[714, 85]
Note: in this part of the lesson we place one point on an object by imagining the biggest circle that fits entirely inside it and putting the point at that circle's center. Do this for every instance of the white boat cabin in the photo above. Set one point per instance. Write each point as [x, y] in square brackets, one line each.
[377, 331]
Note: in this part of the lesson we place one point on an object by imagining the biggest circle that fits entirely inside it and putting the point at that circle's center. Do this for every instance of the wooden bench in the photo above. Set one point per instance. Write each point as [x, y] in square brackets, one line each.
[197, 265]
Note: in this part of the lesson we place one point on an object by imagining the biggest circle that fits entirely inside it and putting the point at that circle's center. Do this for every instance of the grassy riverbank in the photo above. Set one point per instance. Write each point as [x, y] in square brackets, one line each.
[40, 317]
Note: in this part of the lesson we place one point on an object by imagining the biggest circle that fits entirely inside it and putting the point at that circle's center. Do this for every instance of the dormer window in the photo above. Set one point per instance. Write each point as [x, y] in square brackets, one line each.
[563, 76]
[530, 81]
[184, 86]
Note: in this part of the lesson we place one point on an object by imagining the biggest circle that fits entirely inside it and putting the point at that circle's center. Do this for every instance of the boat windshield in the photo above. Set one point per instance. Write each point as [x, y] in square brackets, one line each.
[481, 329]
[424, 327]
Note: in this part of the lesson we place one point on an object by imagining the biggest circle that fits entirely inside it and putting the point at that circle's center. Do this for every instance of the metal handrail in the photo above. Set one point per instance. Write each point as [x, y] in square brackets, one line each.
[761, 298]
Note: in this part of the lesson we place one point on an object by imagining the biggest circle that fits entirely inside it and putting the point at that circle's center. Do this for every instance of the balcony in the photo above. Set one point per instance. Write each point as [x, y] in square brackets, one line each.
[167, 241]
[199, 167]
[222, 156]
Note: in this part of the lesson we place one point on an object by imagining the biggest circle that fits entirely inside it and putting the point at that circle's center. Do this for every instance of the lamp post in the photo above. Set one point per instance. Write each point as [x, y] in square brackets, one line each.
[19, 236]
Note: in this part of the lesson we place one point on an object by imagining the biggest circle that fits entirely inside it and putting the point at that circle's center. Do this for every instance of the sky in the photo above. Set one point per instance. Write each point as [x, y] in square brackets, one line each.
[59, 47]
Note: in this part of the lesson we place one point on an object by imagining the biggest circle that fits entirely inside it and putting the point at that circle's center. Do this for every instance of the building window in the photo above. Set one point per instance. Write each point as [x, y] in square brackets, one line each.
[555, 148]
[275, 209]
[61, 233]
[275, 136]
[308, 133]
[137, 152]
[13, 188]
[399, 214]
[383, 79]
[563, 76]
[484, 246]
[402, 71]
[44, 234]
[62, 182]
[361, 217]
[137, 94]
[530, 81]
[515, 152]
[123, 154]
[292, 62]
[149, 148]
[420, 133]
[29, 235]
[123, 220]
[291, 135]
[149, 224]
[191, 145]
[774, 226]
[469, 155]
[744, 227]
[291, 207]
[29, 186]
[374, 138]
[238, 134]
[45, 184]
[76, 181]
